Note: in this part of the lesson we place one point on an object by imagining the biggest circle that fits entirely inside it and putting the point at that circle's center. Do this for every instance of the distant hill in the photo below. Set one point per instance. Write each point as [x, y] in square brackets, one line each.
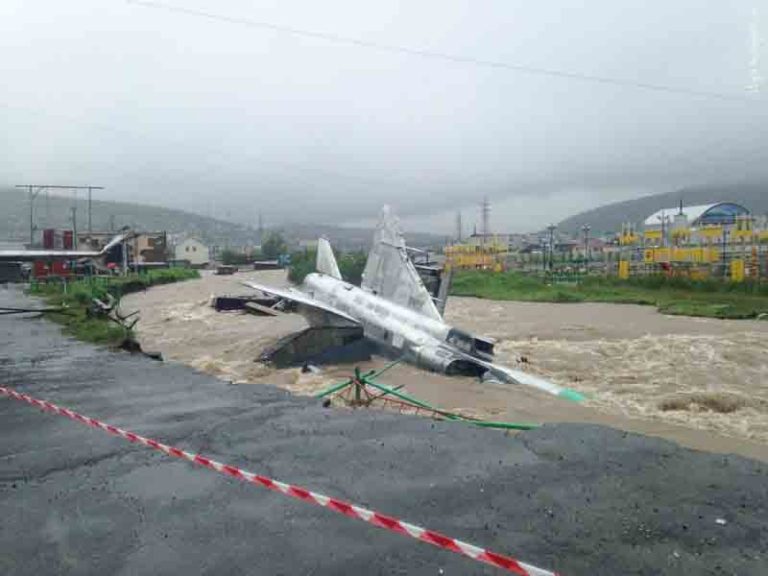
[358, 238]
[609, 218]
[55, 212]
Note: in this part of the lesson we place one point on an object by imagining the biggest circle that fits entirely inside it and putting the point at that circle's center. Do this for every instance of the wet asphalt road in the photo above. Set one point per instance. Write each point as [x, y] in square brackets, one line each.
[577, 498]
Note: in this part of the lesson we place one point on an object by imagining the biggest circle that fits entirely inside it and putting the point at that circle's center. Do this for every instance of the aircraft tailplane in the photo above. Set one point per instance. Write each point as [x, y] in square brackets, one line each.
[326, 262]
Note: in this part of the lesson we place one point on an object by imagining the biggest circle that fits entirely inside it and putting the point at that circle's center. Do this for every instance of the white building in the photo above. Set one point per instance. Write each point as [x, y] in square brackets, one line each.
[194, 251]
[719, 214]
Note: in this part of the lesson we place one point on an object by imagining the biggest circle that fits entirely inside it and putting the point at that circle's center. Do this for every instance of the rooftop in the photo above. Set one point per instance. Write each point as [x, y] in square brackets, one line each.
[694, 213]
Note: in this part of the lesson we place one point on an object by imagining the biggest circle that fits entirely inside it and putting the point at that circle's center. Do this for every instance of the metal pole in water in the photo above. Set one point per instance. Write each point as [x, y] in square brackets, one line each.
[358, 385]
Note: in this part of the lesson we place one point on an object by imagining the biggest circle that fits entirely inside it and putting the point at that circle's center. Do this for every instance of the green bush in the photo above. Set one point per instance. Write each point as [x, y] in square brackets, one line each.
[302, 263]
[77, 296]
[273, 246]
[232, 258]
[351, 266]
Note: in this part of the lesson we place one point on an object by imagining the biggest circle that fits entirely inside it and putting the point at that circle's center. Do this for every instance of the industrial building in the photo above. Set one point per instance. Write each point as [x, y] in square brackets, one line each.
[692, 219]
[722, 239]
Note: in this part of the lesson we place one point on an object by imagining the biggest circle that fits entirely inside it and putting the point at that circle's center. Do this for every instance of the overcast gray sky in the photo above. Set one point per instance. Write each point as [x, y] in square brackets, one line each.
[229, 119]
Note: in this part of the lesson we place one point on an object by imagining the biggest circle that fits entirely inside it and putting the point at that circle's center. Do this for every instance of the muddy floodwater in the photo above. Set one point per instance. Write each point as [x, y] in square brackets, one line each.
[702, 382]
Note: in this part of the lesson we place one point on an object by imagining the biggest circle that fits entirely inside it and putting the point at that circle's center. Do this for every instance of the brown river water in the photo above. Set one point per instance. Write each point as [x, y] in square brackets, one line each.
[700, 382]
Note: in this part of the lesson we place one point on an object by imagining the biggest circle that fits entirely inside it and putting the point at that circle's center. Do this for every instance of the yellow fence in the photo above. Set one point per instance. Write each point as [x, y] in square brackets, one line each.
[471, 257]
[710, 232]
[624, 269]
[680, 234]
[652, 234]
[737, 270]
[695, 255]
[742, 234]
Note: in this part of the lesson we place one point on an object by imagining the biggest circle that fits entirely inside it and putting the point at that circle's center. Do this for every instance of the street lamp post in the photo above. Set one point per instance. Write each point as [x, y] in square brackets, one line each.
[551, 229]
[586, 228]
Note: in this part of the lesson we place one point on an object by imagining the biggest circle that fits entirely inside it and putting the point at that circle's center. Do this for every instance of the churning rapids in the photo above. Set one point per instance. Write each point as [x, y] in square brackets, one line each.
[670, 376]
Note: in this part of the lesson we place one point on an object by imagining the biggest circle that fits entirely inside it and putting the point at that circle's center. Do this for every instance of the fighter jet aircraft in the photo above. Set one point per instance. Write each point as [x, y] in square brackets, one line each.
[397, 313]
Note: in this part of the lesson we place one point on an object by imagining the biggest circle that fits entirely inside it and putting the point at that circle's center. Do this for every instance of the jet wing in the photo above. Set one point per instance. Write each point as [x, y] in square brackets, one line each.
[317, 312]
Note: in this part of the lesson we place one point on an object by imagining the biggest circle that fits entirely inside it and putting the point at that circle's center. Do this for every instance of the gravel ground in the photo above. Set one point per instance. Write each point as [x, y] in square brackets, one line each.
[582, 499]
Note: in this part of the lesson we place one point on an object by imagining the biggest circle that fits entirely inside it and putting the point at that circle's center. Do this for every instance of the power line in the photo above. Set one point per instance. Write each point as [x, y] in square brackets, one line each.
[456, 58]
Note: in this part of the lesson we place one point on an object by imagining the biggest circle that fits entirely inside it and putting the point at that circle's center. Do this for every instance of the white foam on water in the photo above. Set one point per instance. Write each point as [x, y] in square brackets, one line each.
[713, 382]
[700, 373]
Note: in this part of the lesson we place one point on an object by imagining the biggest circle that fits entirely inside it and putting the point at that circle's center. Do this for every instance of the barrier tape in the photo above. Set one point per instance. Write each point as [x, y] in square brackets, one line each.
[340, 506]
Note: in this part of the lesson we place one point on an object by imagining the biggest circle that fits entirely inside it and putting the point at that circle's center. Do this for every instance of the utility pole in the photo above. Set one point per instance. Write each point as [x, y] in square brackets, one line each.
[551, 229]
[34, 189]
[90, 223]
[74, 227]
[32, 193]
[586, 228]
[125, 257]
[663, 219]
[485, 211]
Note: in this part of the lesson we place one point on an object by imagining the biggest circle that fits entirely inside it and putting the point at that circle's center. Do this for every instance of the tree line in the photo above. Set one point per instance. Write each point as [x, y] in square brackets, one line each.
[273, 246]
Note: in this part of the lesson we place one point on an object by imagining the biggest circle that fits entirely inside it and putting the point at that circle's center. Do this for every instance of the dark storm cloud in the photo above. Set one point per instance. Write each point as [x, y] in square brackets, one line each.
[235, 120]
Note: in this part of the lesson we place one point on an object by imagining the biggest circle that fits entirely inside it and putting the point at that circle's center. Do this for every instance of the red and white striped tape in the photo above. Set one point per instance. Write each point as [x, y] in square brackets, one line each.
[380, 520]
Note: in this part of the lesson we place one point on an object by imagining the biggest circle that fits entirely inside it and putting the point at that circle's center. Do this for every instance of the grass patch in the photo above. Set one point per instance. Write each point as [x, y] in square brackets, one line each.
[681, 296]
[77, 295]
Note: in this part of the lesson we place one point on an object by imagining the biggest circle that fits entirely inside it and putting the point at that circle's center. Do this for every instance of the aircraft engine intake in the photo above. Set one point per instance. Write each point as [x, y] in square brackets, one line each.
[442, 360]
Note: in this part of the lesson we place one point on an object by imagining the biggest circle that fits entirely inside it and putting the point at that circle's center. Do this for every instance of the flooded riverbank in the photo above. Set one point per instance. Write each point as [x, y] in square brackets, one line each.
[703, 382]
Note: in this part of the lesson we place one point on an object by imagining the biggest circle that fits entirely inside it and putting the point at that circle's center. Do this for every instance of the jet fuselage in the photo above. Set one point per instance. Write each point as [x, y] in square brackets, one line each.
[425, 341]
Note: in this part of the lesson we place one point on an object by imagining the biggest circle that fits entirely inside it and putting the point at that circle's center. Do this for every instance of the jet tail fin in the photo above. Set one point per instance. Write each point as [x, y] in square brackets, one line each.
[326, 262]
[389, 272]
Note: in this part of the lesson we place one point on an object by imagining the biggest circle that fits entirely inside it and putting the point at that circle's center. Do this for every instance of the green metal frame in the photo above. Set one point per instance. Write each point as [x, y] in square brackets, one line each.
[367, 378]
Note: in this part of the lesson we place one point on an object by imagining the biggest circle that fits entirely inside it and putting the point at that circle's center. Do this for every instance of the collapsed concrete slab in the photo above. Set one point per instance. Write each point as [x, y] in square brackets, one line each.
[319, 345]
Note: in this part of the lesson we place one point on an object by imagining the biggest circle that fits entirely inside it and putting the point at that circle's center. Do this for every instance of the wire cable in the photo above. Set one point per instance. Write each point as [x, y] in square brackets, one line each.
[446, 57]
